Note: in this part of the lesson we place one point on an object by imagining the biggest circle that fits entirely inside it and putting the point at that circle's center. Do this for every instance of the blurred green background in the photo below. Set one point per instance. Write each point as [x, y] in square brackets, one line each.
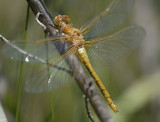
[133, 82]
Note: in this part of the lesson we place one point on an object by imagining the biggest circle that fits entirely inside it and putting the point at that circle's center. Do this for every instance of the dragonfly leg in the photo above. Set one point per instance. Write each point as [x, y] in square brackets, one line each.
[41, 24]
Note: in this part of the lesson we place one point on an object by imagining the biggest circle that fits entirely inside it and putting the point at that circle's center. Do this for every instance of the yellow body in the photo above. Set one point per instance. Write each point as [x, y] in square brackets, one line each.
[74, 36]
[84, 57]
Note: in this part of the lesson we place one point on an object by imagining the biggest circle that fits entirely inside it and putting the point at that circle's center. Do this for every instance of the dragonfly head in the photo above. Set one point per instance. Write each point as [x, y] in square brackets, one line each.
[58, 20]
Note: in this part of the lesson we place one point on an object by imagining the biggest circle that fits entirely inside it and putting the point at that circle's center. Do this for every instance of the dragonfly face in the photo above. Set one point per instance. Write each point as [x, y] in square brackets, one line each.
[58, 20]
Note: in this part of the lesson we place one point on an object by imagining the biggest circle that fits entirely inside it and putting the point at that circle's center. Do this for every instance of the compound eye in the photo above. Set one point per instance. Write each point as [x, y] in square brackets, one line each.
[58, 20]
[66, 19]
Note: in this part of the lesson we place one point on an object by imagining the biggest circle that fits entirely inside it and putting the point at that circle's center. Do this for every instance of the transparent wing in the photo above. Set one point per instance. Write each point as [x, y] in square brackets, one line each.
[49, 79]
[58, 73]
[46, 50]
[52, 77]
[108, 20]
[111, 48]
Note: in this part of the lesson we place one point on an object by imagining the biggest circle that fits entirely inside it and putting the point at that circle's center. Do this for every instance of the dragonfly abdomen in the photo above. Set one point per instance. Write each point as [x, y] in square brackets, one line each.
[84, 58]
[101, 86]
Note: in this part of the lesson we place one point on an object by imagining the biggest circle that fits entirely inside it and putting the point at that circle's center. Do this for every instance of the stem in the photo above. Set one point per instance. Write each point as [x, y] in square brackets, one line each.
[52, 106]
[50, 93]
[21, 71]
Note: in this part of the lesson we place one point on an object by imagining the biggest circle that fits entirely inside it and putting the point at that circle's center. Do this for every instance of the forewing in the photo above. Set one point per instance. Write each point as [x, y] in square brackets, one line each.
[55, 74]
[107, 23]
[108, 51]
[45, 51]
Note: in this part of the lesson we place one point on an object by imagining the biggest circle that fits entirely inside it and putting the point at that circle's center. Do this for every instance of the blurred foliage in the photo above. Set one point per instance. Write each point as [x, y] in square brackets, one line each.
[132, 82]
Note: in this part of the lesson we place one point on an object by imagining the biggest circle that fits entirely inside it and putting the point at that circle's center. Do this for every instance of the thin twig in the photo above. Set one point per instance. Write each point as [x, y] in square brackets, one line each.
[87, 109]
[96, 101]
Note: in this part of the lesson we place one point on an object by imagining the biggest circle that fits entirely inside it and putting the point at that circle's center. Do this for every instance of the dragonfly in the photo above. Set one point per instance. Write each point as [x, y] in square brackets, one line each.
[102, 40]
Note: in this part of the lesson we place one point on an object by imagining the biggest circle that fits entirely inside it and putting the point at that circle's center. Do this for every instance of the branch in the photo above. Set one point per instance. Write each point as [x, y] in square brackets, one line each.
[85, 84]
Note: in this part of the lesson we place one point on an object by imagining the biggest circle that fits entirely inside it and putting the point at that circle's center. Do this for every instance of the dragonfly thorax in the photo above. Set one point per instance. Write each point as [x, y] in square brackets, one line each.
[69, 30]
[74, 35]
